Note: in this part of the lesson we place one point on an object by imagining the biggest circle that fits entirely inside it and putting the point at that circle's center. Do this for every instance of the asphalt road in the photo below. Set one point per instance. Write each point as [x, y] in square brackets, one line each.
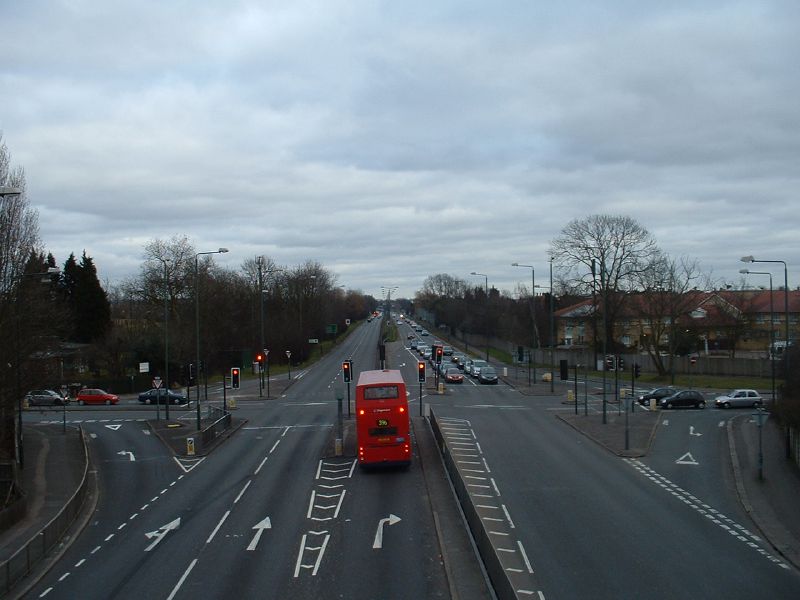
[584, 523]
[265, 515]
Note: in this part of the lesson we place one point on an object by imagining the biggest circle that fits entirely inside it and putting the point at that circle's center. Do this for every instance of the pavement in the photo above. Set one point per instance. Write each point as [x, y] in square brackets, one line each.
[55, 462]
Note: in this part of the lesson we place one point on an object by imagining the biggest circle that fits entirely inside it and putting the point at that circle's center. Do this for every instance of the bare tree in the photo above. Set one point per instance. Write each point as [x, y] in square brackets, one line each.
[604, 255]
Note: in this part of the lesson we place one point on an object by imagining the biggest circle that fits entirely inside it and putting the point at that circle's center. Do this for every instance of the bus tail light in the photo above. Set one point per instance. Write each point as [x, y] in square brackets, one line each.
[402, 409]
[361, 412]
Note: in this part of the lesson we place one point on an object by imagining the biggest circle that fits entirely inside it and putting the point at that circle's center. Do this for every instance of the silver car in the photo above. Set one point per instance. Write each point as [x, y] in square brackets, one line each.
[739, 398]
[45, 398]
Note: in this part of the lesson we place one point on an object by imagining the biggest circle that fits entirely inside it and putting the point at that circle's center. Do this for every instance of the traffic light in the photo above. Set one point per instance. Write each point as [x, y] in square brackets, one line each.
[260, 358]
[235, 373]
[421, 371]
[347, 371]
[191, 374]
[564, 364]
[439, 353]
[636, 369]
[621, 363]
[520, 354]
[610, 363]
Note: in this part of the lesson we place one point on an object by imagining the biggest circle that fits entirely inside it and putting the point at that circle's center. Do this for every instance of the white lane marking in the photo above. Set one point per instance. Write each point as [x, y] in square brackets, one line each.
[216, 529]
[260, 465]
[508, 516]
[182, 579]
[244, 489]
[525, 557]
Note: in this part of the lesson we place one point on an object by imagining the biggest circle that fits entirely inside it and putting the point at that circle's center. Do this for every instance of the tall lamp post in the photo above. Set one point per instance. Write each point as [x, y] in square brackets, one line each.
[552, 334]
[750, 259]
[165, 262]
[50, 271]
[486, 322]
[771, 324]
[533, 312]
[197, 320]
[261, 292]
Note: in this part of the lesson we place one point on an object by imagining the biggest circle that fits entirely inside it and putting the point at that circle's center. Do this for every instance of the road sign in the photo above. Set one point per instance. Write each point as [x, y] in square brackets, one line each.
[144, 367]
[313, 340]
[156, 382]
[288, 354]
[347, 321]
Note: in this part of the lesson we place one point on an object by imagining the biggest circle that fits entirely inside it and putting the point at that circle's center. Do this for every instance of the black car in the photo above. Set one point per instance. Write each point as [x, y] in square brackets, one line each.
[656, 394]
[487, 375]
[160, 396]
[684, 398]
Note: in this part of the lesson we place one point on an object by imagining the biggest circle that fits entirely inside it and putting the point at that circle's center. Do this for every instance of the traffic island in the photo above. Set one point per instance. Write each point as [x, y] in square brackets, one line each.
[185, 440]
[641, 425]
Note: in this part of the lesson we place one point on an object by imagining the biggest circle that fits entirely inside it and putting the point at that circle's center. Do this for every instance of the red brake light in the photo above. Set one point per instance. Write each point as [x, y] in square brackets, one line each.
[402, 409]
[361, 411]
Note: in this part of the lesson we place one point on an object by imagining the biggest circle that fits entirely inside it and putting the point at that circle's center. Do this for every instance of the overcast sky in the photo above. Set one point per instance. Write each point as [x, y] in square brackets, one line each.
[395, 140]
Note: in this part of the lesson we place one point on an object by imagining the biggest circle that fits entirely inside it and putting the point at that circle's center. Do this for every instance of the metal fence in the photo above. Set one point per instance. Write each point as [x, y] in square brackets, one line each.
[37, 547]
[222, 421]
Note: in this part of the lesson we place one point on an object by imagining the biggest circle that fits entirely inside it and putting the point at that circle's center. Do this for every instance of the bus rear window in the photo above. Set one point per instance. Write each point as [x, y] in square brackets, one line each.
[384, 392]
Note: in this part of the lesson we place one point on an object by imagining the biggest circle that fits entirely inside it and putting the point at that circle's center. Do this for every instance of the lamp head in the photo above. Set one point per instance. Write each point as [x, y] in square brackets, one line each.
[744, 271]
[748, 259]
[222, 250]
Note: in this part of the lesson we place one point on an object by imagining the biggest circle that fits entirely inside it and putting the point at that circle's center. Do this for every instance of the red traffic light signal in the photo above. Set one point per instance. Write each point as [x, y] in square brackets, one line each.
[235, 378]
[347, 371]
[421, 371]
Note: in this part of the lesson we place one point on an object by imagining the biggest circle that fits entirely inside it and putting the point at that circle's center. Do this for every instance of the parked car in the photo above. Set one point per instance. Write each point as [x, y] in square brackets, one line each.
[152, 396]
[656, 394]
[684, 398]
[739, 398]
[454, 375]
[45, 398]
[96, 396]
[487, 374]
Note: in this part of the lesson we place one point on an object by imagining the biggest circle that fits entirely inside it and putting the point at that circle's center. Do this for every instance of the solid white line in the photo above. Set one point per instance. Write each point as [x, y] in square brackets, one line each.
[319, 469]
[286, 430]
[300, 555]
[496, 489]
[310, 505]
[244, 489]
[221, 521]
[182, 579]
[353, 467]
[525, 557]
[508, 516]
[339, 506]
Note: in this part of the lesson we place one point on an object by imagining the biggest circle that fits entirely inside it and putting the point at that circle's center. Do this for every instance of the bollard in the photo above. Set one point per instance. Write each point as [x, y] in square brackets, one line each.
[231, 403]
[505, 371]
[338, 447]
[570, 396]
[652, 403]
[190, 446]
[441, 387]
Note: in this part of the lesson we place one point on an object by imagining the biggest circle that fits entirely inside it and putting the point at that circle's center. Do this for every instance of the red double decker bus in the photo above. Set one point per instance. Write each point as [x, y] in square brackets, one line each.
[382, 422]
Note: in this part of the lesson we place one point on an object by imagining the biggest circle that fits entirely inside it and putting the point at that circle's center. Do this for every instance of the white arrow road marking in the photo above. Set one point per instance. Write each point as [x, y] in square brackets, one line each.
[259, 527]
[692, 431]
[687, 459]
[128, 452]
[665, 422]
[391, 520]
[161, 532]
[114, 427]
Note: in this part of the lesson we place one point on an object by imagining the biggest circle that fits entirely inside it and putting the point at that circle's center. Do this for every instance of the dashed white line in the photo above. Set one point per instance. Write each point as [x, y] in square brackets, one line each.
[182, 579]
[244, 489]
[216, 529]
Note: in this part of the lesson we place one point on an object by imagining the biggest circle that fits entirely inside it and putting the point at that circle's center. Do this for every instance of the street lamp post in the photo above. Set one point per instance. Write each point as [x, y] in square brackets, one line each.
[50, 271]
[552, 333]
[197, 321]
[750, 259]
[166, 338]
[263, 348]
[534, 337]
[486, 322]
[771, 324]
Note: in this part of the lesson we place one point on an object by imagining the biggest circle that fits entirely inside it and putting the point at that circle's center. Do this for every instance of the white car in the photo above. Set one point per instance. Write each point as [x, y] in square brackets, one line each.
[739, 398]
